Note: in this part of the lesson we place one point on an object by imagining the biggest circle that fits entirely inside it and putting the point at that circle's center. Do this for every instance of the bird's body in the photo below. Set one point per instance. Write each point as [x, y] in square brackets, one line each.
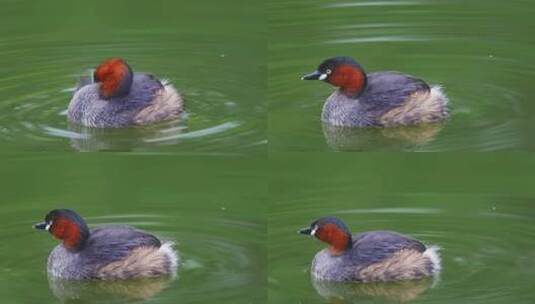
[141, 100]
[380, 99]
[107, 253]
[374, 256]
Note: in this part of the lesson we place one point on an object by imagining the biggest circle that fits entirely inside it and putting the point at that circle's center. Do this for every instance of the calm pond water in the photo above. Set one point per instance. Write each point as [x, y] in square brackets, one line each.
[216, 62]
[481, 215]
[213, 208]
[480, 51]
[207, 182]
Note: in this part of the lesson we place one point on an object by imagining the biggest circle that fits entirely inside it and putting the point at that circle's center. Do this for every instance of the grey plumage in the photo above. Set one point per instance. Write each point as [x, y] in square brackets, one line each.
[105, 245]
[384, 92]
[374, 257]
[90, 109]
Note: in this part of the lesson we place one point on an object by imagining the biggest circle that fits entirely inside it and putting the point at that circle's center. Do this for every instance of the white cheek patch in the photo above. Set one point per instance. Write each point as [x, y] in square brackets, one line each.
[322, 77]
[48, 226]
[313, 232]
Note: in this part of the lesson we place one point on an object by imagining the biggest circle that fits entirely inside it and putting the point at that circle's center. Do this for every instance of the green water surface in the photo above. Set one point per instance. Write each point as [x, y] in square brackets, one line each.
[479, 51]
[233, 180]
[214, 61]
[212, 208]
[478, 209]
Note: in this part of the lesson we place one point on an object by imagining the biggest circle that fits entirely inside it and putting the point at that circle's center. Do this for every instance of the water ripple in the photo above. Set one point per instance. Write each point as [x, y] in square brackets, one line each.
[200, 133]
[377, 39]
[375, 3]
[37, 91]
[217, 255]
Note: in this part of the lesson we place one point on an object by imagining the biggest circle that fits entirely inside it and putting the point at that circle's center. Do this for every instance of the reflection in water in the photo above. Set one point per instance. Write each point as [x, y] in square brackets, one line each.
[128, 139]
[338, 292]
[340, 138]
[97, 139]
[107, 291]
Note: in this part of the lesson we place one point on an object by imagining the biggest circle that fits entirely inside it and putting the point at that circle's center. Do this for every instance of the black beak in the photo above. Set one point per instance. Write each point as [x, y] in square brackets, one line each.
[93, 76]
[40, 226]
[312, 76]
[305, 231]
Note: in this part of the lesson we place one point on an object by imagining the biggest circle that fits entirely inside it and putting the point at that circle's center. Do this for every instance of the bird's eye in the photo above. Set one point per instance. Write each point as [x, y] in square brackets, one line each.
[328, 71]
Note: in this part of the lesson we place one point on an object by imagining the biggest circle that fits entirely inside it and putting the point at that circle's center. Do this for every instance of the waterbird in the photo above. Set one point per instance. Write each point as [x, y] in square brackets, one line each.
[373, 256]
[106, 253]
[113, 96]
[380, 99]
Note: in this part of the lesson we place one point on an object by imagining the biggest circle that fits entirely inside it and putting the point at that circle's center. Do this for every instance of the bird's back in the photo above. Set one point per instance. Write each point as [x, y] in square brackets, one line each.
[376, 246]
[387, 90]
[112, 243]
[389, 256]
